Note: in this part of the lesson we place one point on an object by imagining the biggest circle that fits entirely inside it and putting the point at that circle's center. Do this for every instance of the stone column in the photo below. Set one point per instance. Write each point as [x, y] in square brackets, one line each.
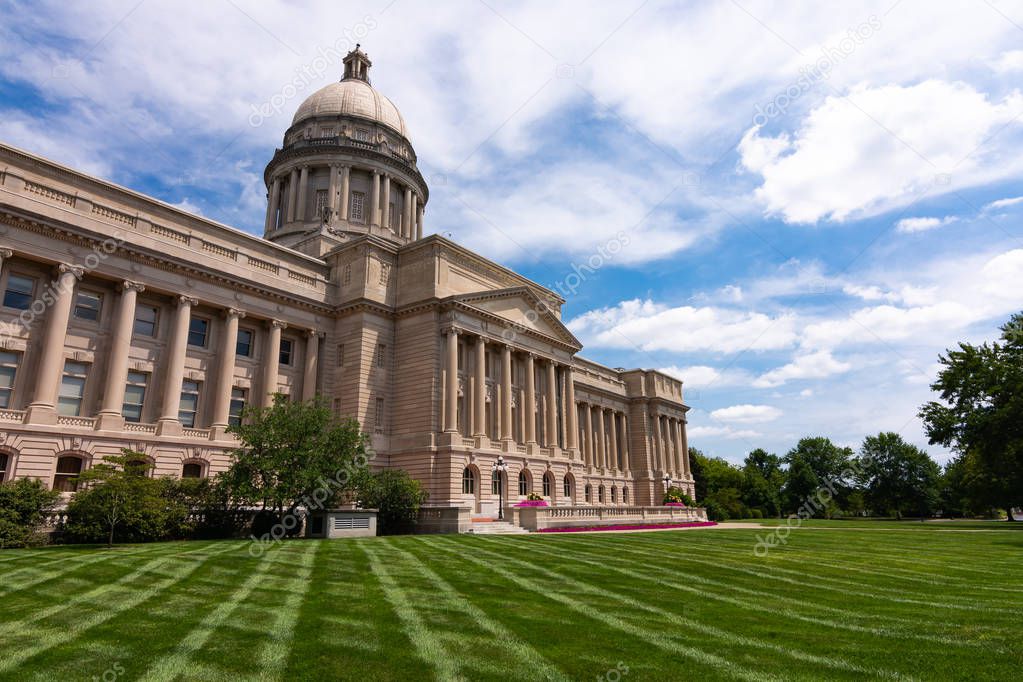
[655, 430]
[552, 405]
[4, 255]
[419, 222]
[406, 214]
[413, 213]
[374, 201]
[590, 450]
[507, 433]
[479, 390]
[601, 439]
[272, 204]
[292, 194]
[685, 449]
[626, 465]
[271, 362]
[225, 373]
[312, 363]
[110, 416]
[571, 412]
[530, 399]
[386, 203]
[346, 182]
[43, 408]
[303, 193]
[169, 424]
[614, 440]
[332, 191]
[451, 385]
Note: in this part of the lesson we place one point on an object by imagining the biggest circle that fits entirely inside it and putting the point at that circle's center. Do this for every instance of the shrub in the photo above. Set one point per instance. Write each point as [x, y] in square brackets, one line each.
[756, 514]
[534, 497]
[715, 511]
[24, 505]
[396, 496]
[678, 495]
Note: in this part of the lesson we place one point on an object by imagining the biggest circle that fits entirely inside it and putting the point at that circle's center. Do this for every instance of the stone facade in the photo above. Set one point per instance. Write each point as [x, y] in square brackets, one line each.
[129, 323]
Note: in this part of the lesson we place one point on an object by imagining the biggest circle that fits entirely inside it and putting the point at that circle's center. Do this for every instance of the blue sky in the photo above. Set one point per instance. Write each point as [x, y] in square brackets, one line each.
[794, 208]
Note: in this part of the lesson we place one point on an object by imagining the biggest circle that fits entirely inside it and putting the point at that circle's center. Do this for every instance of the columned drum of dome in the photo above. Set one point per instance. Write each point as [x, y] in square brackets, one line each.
[346, 142]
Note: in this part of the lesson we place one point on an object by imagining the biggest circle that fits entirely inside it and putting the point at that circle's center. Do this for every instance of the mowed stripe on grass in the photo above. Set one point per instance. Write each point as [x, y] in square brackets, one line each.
[665, 605]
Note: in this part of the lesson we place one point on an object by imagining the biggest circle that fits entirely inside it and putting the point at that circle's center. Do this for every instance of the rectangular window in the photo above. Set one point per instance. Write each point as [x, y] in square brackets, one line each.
[134, 396]
[188, 408]
[321, 203]
[357, 212]
[378, 421]
[286, 351]
[326, 132]
[198, 332]
[341, 355]
[244, 345]
[145, 320]
[381, 355]
[362, 135]
[8, 371]
[238, 396]
[87, 306]
[19, 292]
[390, 217]
[72, 388]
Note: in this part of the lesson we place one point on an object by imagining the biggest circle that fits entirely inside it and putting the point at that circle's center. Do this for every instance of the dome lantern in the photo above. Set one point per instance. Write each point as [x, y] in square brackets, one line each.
[357, 65]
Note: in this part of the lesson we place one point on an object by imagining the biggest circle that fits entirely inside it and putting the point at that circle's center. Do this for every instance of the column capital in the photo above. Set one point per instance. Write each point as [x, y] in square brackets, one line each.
[447, 331]
[310, 333]
[5, 253]
[234, 312]
[137, 287]
[187, 300]
[77, 270]
[279, 324]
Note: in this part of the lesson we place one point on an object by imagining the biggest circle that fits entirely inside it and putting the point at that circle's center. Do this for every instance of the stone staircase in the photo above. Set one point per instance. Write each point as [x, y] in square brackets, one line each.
[495, 527]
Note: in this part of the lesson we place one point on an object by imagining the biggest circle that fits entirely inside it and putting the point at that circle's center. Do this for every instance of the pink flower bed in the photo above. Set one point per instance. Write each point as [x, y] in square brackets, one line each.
[674, 504]
[579, 529]
[532, 503]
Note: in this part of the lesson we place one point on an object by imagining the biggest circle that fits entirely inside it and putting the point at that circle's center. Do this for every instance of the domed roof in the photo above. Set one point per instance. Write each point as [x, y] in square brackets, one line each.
[352, 97]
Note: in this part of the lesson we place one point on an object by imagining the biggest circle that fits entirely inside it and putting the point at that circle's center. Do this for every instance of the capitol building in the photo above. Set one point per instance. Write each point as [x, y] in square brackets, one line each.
[126, 322]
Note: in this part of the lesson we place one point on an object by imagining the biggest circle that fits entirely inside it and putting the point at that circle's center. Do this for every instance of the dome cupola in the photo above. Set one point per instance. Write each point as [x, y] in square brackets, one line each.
[346, 168]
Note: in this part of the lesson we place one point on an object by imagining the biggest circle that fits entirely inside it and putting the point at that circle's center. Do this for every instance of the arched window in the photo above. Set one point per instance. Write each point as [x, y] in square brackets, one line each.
[4, 463]
[68, 468]
[614, 494]
[548, 484]
[495, 483]
[589, 493]
[523, 483]
[600, 493]
[625, 495]
[468, 481]
[138, 466]
[567, 485]
[191, 470]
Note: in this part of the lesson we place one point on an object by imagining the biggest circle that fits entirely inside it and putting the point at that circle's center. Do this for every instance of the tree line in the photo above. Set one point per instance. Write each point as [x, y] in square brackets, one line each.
[979, 416]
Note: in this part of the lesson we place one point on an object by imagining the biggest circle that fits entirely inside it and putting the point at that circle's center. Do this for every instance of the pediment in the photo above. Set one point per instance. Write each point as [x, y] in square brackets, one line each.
[523, 309]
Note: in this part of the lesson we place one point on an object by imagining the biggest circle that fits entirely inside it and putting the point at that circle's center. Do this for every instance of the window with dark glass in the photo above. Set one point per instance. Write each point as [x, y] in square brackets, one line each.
[287, 348]
[568, 487]
[189, 406]
[4, 461]
[134, 396]
[145, 320]
[523, 483]
[72, 388]
[244, 345]
[191, 470]
[87, 304]
[547, 485]
[8, 372]
[198, 331]
[68, 468]
[238, 396]
[468, 482]
[19, 292]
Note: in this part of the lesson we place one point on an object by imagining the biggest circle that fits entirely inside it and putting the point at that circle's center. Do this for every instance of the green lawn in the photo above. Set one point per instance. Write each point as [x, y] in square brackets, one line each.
[834, 603]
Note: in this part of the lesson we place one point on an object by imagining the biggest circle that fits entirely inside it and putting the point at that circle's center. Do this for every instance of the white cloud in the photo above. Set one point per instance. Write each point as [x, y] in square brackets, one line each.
[1003, 203]
[747, 414]
[908, 225]
[705, 376]
[1009, 61]
[725, 432]
[816, 365]
[187, 205]
[882, 147]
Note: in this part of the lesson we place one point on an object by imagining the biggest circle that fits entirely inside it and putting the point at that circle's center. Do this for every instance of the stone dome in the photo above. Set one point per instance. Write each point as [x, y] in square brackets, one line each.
[352, 97]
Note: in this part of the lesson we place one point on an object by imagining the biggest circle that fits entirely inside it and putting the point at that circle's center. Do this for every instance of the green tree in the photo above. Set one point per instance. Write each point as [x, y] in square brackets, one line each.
[763, 480]
[293, 454]
[117, 500]
[397, 497]
[897, 477]
[718, 486]
[980, 410]
[818, 477]
[24, 506]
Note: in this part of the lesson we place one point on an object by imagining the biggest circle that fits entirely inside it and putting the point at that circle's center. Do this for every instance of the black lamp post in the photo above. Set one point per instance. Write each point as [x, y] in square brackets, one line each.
[498, 471]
